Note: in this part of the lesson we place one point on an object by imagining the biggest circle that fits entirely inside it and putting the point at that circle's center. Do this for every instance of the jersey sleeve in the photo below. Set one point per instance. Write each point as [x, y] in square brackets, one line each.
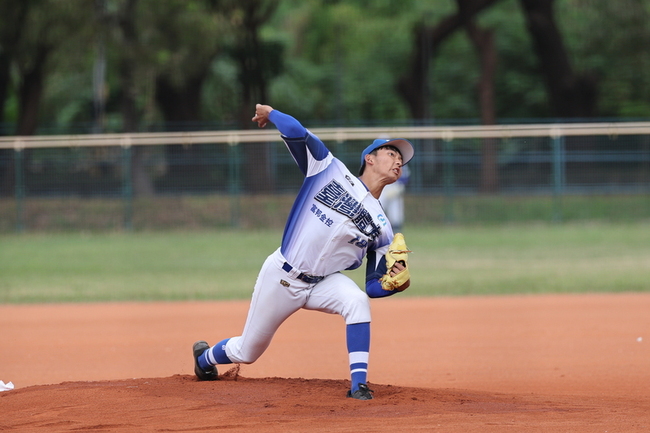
[299, 140]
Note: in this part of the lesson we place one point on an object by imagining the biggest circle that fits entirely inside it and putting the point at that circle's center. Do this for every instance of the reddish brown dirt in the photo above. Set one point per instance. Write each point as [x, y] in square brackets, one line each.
[551, 363]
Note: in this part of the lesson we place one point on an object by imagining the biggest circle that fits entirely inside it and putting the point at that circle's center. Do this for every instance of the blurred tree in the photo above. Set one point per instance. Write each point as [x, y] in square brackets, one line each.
[570, 94]
[413, 85]
[610, 40]
[258, 62]
[330, 48]
[186, 37]
[31, 31]
[185, 60]
[131, 49]
[48, 26]
[483, 40]
[181, 40]
[14, 16]
[340, 61]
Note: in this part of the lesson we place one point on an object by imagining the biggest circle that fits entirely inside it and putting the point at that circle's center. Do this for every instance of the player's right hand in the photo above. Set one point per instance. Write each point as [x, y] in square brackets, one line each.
[262, 114]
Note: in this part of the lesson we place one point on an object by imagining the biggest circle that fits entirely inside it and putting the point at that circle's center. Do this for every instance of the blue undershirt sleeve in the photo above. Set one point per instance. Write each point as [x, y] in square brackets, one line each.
[298, 139]
[287, 125]
[373, 274]
[374, 290]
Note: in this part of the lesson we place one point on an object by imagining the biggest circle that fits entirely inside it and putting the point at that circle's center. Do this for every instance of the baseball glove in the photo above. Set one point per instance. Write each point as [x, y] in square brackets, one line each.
[397, 252]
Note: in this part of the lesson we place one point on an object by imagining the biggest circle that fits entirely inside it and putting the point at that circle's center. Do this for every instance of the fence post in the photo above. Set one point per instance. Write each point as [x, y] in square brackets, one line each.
[19, 174]
[234, 180]
[448, 178]
[127, 185]
[558, 174]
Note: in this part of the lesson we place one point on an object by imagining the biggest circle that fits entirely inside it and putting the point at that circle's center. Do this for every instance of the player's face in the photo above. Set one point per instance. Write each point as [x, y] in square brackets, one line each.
[389, 162]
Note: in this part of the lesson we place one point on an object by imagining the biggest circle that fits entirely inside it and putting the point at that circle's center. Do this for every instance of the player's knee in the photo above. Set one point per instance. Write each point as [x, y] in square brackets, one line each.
[250, 353]
[357, 308]
[240, 353]
[244, 358]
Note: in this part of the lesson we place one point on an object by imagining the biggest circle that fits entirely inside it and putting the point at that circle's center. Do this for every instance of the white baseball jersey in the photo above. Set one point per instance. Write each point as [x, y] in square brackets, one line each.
[335, 221]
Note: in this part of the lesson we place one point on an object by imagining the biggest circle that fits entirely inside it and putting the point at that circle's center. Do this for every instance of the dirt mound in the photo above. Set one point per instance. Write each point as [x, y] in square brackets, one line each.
[551, 363]
[235, 403]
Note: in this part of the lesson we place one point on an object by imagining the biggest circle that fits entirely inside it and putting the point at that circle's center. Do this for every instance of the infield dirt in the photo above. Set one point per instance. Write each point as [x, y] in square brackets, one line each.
[543, 363]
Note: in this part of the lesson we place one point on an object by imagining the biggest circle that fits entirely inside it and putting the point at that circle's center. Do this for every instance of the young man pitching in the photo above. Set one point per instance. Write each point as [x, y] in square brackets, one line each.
[336, 221]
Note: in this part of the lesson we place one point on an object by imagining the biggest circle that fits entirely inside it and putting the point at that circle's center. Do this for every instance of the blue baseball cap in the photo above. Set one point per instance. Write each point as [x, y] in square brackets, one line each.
[404, 146]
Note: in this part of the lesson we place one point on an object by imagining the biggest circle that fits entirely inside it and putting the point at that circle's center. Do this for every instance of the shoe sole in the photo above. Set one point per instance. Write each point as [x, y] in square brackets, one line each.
[363, 397]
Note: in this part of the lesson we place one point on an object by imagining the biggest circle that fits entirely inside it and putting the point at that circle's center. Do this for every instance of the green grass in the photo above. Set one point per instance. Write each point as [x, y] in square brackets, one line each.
[532, 259]
[457, 260]
[159, 266]
[218, 211]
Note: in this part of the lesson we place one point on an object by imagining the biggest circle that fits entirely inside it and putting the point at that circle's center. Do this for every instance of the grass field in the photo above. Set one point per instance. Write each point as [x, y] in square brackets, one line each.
[447, 260]
[268, 212]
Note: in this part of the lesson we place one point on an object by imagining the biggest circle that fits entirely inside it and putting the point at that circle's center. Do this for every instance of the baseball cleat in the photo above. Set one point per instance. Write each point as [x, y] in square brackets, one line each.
[197, 350]
[363, 393]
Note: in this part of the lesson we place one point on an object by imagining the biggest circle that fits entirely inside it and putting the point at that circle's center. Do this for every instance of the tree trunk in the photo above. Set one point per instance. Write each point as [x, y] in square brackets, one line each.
[14, 15]
[31, 93]
[181, 105]
[142, 182]
[413, 85]
[253, 76]
[6, 155]
[5, 64]
[483, 40]
[570, 95]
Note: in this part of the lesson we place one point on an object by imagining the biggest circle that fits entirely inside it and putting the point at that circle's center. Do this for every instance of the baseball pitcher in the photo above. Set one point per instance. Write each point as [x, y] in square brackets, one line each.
[336, 221]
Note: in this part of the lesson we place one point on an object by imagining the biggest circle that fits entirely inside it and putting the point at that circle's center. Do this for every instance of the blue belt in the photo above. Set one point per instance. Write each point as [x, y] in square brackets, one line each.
[309, 279]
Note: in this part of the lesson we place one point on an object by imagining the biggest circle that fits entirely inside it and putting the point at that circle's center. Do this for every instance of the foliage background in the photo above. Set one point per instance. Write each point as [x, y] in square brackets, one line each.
[326, 61]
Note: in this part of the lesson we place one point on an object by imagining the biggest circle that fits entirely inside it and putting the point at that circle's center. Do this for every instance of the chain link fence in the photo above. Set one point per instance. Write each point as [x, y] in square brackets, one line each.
[247, 179]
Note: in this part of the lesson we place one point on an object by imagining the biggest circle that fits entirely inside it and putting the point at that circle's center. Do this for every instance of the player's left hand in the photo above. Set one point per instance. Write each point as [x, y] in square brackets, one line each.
[262, 114]
[396, 269]
[404, 280]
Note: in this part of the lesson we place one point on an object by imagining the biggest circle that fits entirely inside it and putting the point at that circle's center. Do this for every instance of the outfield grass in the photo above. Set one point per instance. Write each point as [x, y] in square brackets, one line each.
[268, 212]
[541, 258]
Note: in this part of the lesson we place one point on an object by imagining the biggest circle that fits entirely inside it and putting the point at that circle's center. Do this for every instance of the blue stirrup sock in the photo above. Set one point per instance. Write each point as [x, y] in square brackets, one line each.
[215, 355]
[358, 341]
